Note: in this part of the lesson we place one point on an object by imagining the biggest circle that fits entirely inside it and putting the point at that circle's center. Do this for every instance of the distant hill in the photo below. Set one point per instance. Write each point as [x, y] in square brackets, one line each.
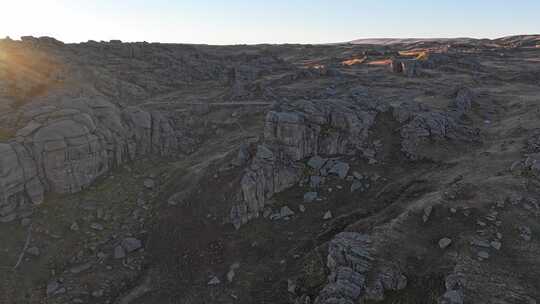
[523, 40]
[392, 41]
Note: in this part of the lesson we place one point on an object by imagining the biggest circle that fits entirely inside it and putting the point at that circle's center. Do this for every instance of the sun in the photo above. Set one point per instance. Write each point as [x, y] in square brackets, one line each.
[40, 16]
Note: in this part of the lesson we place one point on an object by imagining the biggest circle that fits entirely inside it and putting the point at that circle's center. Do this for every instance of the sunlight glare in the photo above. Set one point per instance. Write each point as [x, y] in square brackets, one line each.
[25, 17]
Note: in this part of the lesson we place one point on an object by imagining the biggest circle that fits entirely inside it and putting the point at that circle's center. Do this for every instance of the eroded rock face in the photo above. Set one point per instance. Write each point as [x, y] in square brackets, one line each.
[65, 150]
[292, 134]
[19, 185]
[269, 173]
[319, 127]
[356, 272]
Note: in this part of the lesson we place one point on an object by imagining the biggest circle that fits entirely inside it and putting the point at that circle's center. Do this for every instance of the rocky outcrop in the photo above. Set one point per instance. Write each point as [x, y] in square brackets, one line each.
[326, 127]
[269, 173]
[293, 133]
[65, 150]
[421, 126]
[356, 272]
[407, 67]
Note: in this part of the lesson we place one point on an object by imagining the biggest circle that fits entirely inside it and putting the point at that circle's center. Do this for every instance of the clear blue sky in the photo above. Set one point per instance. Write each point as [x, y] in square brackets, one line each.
[271, 21]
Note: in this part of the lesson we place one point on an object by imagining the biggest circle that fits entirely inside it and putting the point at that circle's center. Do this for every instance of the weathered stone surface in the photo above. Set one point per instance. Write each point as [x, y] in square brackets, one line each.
[19, 185]
[131, 244]
[452, 297]
[340, 169]
[262, 179]
[285, 211]
[315, 181]
[316, 162]
[326, 127]
[309, 197]
[444, 243]
[65, 150]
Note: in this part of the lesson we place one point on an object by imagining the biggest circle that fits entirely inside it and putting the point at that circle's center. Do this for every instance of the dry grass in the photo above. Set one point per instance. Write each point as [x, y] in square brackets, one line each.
[380, 62]
[6, 134]
[354, 61]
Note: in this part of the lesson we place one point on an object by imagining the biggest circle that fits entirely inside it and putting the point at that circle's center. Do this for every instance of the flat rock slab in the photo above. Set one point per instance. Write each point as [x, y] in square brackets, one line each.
[131, 244]
[340, 169]
[309, 197]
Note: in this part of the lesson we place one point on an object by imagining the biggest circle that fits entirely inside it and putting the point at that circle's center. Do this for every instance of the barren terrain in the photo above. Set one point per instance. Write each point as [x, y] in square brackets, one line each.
[376, 171]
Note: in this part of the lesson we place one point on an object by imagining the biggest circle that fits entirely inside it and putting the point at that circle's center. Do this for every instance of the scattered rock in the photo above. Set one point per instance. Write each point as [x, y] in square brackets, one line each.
[267, 212]
[131, 244]
[291, 286]
[452, 297]
[119, 252]
[149, 183]
[264, 153]
[97, 226]
[232, 272]
[80, 268]
[316, 162]
[427, 213]
[327, 215]
[309, 197]
[33, 251]
[481, 243]
[340, 169]
[525, 233]
[55, 287]
[243, 155]
[74, 226]
[356, 185]
[285, 211]
[214, 281]
[25, 222]
[315, 181]
[444, 243]
[480, 223]
[496, 244]
[483, 255]
[463, 101]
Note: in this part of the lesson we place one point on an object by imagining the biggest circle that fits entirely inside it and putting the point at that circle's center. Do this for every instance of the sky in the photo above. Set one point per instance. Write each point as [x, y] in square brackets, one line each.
[270, 21]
